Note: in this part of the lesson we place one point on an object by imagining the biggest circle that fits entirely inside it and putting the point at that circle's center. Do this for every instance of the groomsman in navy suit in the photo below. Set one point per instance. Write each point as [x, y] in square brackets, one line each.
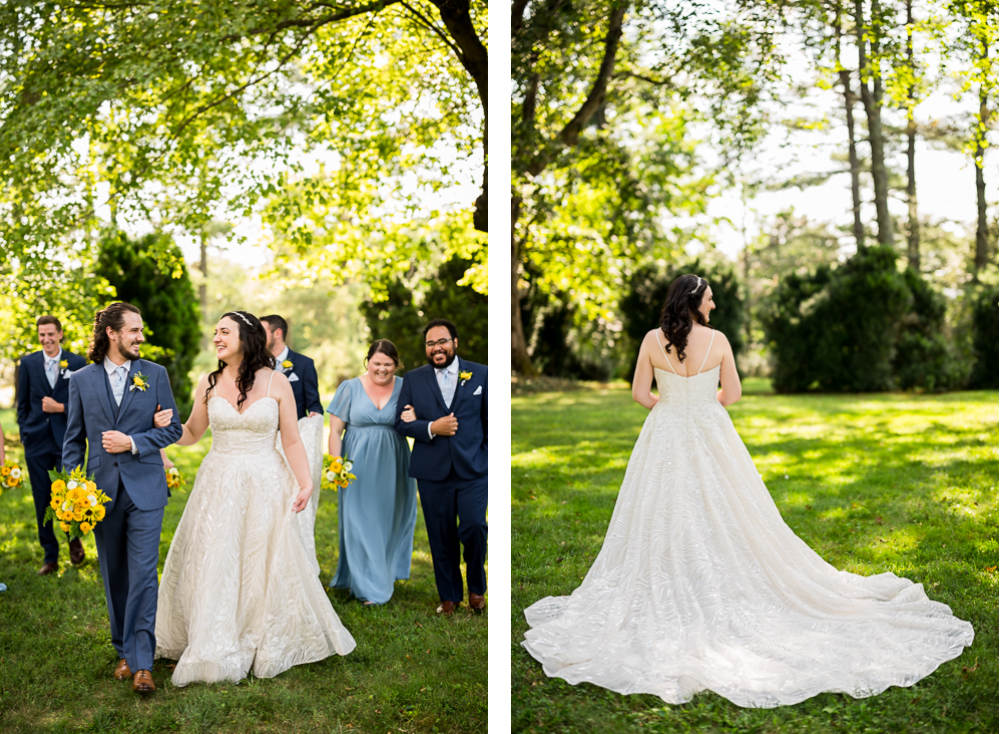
[298, 368]
[449, 461]
[42, 392]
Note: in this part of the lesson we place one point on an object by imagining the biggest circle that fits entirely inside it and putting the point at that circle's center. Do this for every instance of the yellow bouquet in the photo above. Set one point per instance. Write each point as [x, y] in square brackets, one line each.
[337, 473]
[77, 504]
[175, 480]
[11, 475]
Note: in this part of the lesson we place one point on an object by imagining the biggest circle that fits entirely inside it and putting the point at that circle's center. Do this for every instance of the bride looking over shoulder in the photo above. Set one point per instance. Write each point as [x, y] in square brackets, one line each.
[238, 589]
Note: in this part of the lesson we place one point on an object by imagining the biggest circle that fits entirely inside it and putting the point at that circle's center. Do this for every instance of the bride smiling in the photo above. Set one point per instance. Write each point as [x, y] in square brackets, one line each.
[238, 590]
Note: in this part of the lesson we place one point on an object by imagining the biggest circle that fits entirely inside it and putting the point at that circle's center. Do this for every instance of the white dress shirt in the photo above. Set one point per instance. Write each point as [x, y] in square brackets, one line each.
[111, 368]
[281, 358]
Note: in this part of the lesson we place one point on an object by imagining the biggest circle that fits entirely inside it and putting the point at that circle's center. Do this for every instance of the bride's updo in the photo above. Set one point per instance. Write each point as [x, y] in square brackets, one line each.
[253, 343]
[680, 310]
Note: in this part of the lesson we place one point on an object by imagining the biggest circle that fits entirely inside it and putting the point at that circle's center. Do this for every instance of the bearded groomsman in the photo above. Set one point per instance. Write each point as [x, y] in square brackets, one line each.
[446, 400]
[42, 392]
[298, 368]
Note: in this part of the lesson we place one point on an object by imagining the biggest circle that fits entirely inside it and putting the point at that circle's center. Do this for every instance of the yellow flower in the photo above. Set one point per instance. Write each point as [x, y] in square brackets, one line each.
[78, 515]
[64, 526]
[91, 487]
[139, 382]
[54, 504]
[287, 364]
[99, 512]
[463, 376]
[11, 482]
[63, 364]
[58, 486]
[85, 527]
[4, 470]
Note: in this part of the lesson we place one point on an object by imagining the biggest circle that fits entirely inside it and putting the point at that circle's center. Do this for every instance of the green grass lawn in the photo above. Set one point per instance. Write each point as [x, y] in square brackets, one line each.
[901, 483]
[412, 671]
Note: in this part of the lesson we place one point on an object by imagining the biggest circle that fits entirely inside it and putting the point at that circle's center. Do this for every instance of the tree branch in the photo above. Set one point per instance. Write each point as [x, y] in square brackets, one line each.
[427, 23]
[313, 23]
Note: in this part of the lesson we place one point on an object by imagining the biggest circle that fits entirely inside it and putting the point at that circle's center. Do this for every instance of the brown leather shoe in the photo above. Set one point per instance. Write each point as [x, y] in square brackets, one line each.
[143, 682]
[123, 672]
[446, 608]
[47, 568]
[477, 602]
[76, 553]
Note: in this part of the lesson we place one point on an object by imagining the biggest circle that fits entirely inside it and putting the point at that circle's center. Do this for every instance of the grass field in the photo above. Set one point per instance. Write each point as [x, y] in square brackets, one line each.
[412, 671]
[901, 483]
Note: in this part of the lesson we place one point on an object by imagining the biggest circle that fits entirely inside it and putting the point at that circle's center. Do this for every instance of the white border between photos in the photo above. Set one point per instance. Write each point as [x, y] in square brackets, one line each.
[499, 644]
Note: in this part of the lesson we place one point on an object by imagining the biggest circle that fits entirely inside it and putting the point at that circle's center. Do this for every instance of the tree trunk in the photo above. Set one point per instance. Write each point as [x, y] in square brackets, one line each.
[872, 99]
[519, 358]
[852, 156]
[982, 234]
[913, 226]
[850, 99]
[457, 19]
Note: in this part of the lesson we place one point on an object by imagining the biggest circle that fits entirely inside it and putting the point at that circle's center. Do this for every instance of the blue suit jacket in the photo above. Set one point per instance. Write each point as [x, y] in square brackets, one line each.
[92, 410]
[466, 450]
[306, 388]
[42, 432]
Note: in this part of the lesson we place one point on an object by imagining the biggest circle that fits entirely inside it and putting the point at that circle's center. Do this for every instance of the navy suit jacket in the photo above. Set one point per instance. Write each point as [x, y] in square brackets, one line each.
[42, 432]
[306, 388]
[92, 410]
[434, 458]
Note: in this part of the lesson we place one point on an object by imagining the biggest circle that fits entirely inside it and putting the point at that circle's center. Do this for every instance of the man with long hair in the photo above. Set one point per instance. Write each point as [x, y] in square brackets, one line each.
[111, 407]
[42, 392]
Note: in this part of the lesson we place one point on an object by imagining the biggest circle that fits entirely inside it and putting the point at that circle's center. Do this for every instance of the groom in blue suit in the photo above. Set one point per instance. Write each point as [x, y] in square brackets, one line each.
[111, 407]
[449, 461]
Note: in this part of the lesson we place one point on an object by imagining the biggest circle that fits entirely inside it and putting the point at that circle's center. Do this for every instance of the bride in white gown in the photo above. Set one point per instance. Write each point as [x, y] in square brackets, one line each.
[239, 590]
[700, 585]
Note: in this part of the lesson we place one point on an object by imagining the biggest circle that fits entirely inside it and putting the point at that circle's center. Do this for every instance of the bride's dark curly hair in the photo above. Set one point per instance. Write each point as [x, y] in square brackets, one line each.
[255, 354]
[680, 310]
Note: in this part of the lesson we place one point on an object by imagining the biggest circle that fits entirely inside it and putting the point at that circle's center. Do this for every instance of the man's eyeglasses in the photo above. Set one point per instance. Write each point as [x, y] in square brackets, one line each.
[438, 343]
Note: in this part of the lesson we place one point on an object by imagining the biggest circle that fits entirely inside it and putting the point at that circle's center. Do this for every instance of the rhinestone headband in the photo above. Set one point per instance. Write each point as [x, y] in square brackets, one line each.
[697, 286]
[245, 319]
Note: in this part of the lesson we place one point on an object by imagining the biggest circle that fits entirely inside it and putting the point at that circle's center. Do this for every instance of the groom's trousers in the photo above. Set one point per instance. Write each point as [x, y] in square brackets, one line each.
[128, 548]
[443, 503]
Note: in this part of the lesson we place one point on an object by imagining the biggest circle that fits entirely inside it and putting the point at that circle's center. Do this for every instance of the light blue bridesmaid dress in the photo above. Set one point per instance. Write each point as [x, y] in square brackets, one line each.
[378, 511]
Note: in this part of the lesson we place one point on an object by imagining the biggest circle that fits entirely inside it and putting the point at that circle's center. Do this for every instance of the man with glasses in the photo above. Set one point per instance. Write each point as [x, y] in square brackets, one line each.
[448, 397]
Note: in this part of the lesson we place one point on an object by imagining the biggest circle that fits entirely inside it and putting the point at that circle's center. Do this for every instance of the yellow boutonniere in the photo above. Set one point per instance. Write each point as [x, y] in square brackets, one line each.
[464, 376]
[139, 382]
[63, 364]
[287, 364]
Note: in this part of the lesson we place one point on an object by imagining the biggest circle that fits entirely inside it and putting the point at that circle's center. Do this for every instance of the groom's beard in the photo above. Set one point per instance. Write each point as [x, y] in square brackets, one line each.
[447, 362]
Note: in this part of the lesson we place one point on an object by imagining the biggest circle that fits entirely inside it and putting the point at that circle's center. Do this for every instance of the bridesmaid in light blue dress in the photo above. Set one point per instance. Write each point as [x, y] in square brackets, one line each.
[378, 511]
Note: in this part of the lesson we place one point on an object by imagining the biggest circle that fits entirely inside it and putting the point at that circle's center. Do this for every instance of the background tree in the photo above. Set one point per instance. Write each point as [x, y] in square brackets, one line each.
[412, 302]
[166, 299]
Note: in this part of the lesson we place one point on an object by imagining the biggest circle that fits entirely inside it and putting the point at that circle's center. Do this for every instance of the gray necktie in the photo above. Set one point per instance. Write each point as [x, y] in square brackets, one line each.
[446, 385]
[51, 372]
[118, 384]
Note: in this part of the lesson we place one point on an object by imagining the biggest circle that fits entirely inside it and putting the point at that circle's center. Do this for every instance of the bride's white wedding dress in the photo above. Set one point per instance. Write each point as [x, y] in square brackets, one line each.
[239, 590]
[701, 585]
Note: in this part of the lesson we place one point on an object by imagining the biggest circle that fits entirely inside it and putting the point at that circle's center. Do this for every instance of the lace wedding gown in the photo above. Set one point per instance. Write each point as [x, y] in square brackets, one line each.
[239, 591]
[701, 585]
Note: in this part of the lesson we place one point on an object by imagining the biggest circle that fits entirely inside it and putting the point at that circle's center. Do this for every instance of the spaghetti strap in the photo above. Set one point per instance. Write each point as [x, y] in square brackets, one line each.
[269, 382]
[707, 353]
[657, 337]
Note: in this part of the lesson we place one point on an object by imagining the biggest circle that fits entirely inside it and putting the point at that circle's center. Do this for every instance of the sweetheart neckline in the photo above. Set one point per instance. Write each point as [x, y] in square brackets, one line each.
[246, 409]
[686, 377]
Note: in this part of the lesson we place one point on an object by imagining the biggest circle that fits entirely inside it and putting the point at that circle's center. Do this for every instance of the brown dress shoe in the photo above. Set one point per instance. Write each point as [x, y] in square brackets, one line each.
[446, 608]
[477, 602]
[123, 672]
[143, 682]
[47, 568]
[76, 552]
